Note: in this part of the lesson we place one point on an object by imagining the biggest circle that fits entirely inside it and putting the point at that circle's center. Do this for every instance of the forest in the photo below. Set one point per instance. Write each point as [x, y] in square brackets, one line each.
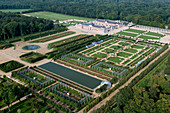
[146, 12]
[13, 25]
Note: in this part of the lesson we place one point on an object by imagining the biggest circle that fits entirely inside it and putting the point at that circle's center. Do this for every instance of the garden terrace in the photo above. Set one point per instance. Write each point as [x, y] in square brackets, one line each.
[154, 34]
[66, 81]
[124, 54]
[32, 57]
[65, 91]
[10, 65]
[136, 60]
[53, 37]
[111, 68]
[148, 37]
[127, 34]
[135, 31]
[67, 41]
[34, 77]
[77, 59]
[115, 59]
[72, 75]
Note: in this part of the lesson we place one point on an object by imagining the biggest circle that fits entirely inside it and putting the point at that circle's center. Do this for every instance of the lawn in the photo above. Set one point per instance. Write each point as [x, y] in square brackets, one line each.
[124, 43]
[148, 37]
[57, 16]
[134, 30]
[131, 50]
[109, 50]
[116, 47]
[53, 37]
[154, 34]
[115, 59]
[127, 34]
[9, 66]
[137, 46]
[123, 54]
[14, 10]
[100, 55]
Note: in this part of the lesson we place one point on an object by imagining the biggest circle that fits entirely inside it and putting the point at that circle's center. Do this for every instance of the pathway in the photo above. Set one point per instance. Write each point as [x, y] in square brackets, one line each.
[103, 102]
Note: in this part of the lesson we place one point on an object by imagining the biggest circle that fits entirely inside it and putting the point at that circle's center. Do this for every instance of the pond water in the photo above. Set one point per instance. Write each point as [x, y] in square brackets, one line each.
[31, 47]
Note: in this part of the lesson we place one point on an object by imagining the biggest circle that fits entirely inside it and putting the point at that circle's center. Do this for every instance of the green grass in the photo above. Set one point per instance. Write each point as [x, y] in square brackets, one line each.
[131, 50]
[56, 16]
[10, 65]
[125, 62]
[137, 46]
[148, 37]
[115, 59]
[134, 30]
[154, 34]
[116, 47]
[14, 10]
[109, 50]
[123, 54]
[100, 55]
[124, 43]
[127, 34]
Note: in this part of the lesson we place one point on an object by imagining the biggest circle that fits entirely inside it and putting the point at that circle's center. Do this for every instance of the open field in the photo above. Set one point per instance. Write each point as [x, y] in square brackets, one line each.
[135, 31]
[154, 34]
[57, 16]
[14, 10]
[127, 34]
[148, 37]
[72, 75]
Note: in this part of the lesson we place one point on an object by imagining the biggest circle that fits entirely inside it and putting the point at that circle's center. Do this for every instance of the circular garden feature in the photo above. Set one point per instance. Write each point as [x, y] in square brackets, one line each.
[31, 47]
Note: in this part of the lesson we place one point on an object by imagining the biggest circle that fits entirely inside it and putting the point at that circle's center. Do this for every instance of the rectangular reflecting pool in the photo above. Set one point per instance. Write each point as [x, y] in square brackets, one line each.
[72, 75]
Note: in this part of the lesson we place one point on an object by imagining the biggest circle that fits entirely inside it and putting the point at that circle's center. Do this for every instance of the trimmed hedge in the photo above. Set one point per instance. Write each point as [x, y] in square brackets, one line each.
[38, 58]
[9, 66]
[42, 34]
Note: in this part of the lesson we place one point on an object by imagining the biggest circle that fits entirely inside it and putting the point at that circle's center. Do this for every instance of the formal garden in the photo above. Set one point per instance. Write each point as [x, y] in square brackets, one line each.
[69, 96]
[141, 34]
[10, 66]
[33, 78]
[32, 57]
